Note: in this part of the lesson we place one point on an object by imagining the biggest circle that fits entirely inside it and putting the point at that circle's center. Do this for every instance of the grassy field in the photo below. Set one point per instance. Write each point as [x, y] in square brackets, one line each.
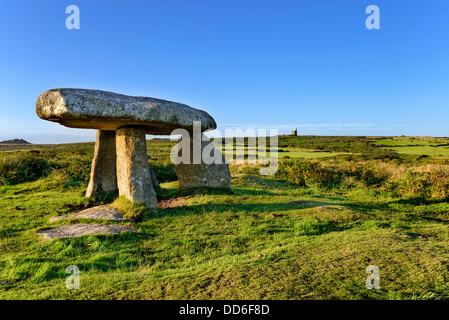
[411, 141]
[424, 147]
[308, 232]
[286, 153]
[440, 152]
[308, 154]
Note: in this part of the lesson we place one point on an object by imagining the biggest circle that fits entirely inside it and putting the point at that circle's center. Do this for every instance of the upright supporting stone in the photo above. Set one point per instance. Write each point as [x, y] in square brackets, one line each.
[103, 177]
[154, 180]
[213, 173]
[133, 171]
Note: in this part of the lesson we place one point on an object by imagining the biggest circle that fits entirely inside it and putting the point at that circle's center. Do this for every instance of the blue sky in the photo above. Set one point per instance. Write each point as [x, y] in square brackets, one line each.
[309, 64]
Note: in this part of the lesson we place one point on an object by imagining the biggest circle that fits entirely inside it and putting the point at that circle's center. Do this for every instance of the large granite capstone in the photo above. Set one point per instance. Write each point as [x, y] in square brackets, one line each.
[102, 110]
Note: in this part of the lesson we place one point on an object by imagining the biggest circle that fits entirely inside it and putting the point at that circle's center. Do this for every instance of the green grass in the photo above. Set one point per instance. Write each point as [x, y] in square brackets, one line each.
[440, 152]
[272, 238]
[417, 146]
[309, 154]
[411, 141]
[285, 153]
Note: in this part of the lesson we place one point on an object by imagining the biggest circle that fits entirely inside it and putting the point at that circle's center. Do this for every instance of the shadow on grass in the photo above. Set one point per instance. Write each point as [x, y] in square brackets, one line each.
[168, 193]
[248, 207]
[417, 201]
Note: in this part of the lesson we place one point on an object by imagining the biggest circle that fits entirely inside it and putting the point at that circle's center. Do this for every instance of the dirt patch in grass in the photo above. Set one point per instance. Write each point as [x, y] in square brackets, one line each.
[79, 207]
[172, 202]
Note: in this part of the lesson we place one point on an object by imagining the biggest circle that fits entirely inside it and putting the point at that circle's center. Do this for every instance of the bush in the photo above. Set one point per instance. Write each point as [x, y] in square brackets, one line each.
[27, 166]
[77, 169]
[314, 173]
[424, 185]
[22, 167]
[307, 173]
[404, 181]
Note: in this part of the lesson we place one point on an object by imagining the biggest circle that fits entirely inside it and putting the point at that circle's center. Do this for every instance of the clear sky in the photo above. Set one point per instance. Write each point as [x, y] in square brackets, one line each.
[282, 64]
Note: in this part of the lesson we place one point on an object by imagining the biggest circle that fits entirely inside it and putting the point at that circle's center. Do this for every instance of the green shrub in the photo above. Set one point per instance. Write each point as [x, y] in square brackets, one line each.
[77, 169]
[433, 184]
[22, 166]
[315, 173]
[308, 173]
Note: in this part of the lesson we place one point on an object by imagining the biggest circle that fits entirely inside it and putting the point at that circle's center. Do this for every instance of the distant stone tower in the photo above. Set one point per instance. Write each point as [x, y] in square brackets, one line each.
[295, 132]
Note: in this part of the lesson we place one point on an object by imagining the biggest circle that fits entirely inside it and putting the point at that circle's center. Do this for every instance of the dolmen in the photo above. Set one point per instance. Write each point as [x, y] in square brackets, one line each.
[120, 163]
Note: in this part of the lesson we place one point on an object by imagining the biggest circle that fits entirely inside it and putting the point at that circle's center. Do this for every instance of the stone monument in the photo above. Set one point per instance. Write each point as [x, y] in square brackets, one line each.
[120, 162]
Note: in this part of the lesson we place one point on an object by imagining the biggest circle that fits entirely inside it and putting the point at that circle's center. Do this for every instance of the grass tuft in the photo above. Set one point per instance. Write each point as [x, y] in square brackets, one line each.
[135, 211]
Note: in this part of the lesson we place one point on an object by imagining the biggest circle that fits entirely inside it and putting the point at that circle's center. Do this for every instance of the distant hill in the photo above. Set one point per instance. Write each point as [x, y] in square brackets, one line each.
[15, 141]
